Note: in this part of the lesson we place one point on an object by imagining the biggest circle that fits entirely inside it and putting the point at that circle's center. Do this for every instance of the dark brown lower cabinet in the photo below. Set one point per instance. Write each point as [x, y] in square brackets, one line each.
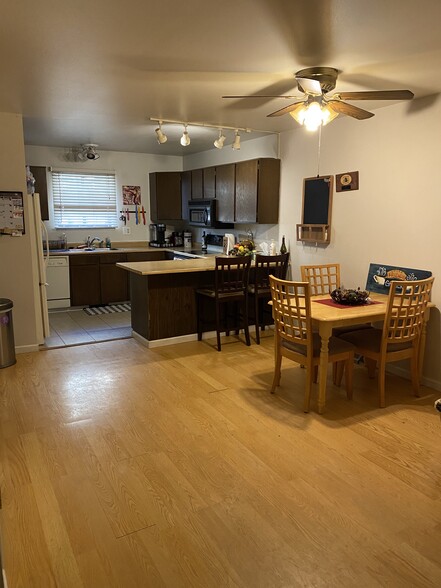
[95, 279]
[85, 288]
[113, 279]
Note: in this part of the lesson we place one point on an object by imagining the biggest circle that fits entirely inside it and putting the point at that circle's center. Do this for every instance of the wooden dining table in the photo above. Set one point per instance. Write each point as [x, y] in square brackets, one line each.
[326, 317]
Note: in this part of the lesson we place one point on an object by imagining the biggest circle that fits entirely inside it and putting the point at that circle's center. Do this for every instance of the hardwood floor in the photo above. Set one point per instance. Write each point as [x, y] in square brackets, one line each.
[175, 467]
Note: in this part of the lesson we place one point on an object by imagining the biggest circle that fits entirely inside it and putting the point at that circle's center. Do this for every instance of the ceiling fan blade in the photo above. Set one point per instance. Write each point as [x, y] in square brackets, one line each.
[287, 109]
[349, 109]
[261, 96]
[309, 86]
[377, 95]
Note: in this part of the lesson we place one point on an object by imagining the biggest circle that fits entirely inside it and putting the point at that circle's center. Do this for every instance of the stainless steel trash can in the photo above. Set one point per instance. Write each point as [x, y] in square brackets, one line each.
[7, 345]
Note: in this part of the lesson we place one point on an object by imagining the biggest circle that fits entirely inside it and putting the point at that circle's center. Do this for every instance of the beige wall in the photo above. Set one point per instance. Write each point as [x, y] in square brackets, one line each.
[394, 218]
[131, 169]
[18, 279]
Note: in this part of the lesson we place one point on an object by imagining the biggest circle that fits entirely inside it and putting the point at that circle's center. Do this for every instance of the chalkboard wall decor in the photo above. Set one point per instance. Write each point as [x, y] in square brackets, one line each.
[380, 276]
[317, 208]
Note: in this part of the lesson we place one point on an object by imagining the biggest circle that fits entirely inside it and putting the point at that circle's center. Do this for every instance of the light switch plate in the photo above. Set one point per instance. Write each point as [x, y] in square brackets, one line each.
[126, 230]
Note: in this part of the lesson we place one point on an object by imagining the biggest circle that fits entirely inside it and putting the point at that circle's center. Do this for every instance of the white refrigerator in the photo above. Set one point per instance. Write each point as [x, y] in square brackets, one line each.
[40, 234]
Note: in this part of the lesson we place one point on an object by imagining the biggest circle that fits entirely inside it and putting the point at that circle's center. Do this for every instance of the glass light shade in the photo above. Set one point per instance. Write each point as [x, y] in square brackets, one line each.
[162, 137]
[236, 144]
[313, 115]
[185, 139]
[219, 142]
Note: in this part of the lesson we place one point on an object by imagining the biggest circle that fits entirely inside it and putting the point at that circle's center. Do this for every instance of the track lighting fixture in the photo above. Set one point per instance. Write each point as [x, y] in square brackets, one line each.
[162, 137]
[185, 139]
[219, 142]
[236, 143]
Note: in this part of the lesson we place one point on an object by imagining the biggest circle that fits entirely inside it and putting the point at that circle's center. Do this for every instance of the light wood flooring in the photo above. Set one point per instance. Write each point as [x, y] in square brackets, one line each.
[75, 327]
[174, 467]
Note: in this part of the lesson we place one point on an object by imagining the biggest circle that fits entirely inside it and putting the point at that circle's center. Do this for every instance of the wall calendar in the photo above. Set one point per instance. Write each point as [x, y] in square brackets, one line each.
[11, 214]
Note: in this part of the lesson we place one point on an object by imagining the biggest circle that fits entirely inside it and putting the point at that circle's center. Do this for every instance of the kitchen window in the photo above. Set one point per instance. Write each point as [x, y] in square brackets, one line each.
[84, 200]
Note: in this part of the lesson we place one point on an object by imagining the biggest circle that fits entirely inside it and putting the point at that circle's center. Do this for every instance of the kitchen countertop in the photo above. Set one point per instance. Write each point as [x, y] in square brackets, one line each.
[134, 249]
[148, 268]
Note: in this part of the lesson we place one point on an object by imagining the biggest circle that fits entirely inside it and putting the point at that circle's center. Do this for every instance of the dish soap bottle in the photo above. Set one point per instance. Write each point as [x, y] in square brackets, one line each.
[283, 248]
[204, 242]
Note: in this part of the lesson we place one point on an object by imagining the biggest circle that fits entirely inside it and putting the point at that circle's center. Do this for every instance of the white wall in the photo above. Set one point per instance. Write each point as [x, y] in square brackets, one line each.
[394, 218]
[18, 278]
[131, 169]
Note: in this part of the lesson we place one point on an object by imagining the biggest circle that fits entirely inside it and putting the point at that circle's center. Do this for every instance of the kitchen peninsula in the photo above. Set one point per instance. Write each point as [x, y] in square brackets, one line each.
[163, 298]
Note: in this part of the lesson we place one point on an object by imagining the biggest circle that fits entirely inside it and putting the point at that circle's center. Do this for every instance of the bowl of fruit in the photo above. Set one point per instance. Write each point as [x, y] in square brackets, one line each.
[350, 297]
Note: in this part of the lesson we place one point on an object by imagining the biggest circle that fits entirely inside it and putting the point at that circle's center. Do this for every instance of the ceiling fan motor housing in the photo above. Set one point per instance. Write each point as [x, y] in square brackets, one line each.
[326, 76]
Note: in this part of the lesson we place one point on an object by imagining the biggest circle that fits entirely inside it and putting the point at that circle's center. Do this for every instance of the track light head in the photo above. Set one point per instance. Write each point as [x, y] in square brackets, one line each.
[185, 139]
[219, 142]
[162, 137]
[236, 143]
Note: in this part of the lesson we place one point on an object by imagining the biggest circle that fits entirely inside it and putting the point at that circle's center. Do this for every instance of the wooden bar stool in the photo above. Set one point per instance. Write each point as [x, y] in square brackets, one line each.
[231, 276]
[259, 290]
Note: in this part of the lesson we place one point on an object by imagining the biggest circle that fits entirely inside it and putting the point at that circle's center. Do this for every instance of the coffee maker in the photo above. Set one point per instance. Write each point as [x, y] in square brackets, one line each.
[157, 234]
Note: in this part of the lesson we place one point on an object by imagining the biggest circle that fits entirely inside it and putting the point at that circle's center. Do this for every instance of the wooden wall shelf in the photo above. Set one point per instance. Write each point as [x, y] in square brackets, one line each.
[314, 233]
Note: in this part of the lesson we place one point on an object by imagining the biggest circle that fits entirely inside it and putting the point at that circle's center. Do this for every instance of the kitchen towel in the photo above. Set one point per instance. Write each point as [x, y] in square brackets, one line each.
[111, 308]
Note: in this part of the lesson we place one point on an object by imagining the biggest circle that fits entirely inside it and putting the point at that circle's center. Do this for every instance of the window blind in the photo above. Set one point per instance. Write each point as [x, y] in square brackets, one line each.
[84, 200]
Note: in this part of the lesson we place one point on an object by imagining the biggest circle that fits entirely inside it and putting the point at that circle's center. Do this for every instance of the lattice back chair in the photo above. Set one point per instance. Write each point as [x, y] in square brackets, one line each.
[295, 339]
[401, 334]
[231, 278]
[322, 278]
[259, 290]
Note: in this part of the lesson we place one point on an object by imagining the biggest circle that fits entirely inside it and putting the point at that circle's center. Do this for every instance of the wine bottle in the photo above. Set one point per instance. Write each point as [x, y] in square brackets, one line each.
[283, 248]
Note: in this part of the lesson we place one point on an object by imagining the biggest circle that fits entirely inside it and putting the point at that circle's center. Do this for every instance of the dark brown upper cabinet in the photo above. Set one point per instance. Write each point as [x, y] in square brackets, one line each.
[225, 192]
[197, 184]
[209, 182]
[165, 196]
[39, 172]
[257, 191]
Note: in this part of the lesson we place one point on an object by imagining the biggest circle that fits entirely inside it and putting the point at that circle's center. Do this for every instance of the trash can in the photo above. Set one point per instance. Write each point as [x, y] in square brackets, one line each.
[7, 346]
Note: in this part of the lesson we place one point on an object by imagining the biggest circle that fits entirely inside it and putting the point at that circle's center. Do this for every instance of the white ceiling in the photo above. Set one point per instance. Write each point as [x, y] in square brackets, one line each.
[95, 72]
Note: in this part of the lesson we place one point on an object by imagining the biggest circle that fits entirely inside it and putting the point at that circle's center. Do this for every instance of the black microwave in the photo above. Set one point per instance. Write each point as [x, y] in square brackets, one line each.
[203, 213]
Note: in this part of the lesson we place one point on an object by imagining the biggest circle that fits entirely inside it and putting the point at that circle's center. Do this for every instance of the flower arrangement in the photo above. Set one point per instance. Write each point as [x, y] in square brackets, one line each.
[350, 297]
[245, 247]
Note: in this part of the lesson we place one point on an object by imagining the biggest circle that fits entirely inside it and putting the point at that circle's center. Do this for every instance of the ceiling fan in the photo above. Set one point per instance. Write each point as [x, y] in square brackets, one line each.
[317, 107]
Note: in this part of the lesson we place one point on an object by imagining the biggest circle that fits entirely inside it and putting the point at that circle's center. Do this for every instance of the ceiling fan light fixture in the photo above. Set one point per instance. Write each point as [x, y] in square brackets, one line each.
[160, 135]
[219, 142]
[313, 115]
[185, 139]
[236, 143]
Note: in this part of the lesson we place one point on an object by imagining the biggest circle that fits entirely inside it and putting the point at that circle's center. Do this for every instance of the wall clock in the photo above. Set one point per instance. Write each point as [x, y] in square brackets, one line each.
[347, 181]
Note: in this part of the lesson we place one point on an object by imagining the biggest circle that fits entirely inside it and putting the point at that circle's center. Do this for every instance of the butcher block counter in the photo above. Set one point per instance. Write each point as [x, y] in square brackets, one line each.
[163, 298]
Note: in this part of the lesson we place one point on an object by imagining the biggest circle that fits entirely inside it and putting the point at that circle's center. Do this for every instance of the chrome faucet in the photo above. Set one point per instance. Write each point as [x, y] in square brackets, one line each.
[90, 242]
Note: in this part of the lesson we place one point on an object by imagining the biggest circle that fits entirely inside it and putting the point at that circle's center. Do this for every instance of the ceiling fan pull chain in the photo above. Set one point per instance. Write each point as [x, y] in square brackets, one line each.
[319, 148]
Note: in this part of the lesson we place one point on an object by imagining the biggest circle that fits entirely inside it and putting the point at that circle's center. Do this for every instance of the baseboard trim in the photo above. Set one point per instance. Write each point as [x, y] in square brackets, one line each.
[171, 340]
[27, 348]
[403, 373]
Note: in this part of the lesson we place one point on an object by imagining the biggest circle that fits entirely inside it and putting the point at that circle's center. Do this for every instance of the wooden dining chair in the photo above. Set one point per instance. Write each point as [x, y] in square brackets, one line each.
[295, 339]
[230, 292]
[322, 278]
[259, 288]
[400, 337]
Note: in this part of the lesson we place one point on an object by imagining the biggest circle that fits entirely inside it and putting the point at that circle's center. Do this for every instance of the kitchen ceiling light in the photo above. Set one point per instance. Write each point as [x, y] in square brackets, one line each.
[314, 115]
[185, 139]
[162, 137]
[88, 152]
[219, 143]
[236, 143]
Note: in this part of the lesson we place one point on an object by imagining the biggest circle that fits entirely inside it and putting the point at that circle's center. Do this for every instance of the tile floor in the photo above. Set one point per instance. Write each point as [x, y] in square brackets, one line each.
[75, 327]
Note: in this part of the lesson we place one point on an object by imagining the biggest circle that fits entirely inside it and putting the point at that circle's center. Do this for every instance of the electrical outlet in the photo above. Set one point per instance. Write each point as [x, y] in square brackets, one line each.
[126, 230]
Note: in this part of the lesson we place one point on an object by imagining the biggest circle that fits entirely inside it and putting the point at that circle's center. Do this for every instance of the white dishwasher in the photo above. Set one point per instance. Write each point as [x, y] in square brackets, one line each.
[57, 278]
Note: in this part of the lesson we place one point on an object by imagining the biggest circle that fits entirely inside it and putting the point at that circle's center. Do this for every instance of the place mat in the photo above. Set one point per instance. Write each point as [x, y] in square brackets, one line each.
[109, 309]
[330, 302]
